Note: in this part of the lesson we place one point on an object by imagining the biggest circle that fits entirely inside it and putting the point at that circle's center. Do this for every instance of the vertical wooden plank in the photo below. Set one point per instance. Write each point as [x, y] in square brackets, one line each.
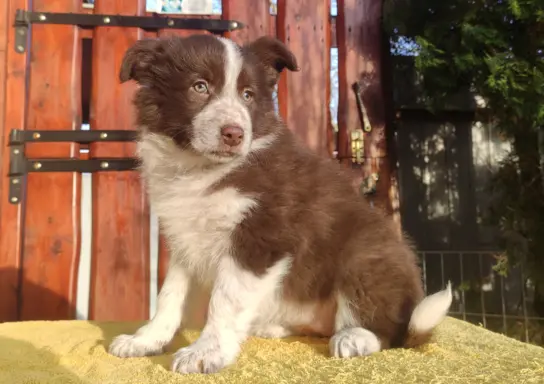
[52, 223]
[330, 142]
[351, 65]
[254, 14]
[304, 25]
[4, 22]
[120, 246]
[360, 51]
[11, 215]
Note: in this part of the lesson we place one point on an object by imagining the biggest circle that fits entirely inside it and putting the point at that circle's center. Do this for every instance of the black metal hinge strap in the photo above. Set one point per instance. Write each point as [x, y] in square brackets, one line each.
[20, 166]
[152, 23]
[18, 136]
[16, 162]
[72, 165]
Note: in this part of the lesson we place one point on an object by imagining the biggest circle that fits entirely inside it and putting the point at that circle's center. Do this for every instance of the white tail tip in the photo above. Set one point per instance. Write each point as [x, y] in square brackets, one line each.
[431, 311]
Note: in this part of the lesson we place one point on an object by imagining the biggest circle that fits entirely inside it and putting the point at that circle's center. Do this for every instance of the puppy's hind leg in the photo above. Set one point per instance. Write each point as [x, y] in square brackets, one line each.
[397, 323]
[351, 339]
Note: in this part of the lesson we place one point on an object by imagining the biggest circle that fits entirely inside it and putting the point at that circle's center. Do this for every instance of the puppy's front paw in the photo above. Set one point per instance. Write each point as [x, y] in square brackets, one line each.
[134, 346]
[206, 355]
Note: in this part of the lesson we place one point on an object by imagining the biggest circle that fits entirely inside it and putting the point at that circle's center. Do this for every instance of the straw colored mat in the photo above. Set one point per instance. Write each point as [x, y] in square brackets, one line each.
[74, 352]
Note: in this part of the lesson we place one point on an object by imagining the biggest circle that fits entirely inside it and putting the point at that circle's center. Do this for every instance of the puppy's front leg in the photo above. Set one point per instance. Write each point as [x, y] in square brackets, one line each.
[155, 335]
[236, 296]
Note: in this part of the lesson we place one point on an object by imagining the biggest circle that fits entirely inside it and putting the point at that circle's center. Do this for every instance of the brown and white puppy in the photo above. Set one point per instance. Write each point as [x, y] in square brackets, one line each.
[272, 229]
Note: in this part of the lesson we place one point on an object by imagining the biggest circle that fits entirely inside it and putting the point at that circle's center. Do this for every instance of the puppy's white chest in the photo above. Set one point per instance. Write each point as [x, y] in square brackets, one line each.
[199, 227]
[198, 223]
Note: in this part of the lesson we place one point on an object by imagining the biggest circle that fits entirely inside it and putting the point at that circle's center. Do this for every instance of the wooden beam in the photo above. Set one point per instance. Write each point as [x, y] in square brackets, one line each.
[52, 223]
[11, 215]
[304, 26]
[4, 25]
[120, 246]
[350, 65]
[360, 51]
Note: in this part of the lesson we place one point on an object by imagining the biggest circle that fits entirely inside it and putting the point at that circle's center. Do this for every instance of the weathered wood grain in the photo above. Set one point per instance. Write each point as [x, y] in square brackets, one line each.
[120, 246]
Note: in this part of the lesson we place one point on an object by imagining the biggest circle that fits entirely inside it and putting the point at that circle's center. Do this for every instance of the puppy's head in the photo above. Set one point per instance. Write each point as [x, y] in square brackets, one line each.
[211, 96]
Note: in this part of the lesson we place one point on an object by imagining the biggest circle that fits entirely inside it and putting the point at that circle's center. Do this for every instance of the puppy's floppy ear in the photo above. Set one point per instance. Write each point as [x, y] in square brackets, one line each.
[274, 55]
[138, 59]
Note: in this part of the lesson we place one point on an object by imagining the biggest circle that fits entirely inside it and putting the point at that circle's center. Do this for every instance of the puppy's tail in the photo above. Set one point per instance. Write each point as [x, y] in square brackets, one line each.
[426, 316]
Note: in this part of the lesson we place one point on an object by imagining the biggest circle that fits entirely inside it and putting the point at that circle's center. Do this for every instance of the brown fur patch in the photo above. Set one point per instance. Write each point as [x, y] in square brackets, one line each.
[308, 210]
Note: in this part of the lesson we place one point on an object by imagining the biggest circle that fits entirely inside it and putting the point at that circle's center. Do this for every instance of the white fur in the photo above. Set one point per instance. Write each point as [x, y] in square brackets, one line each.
[351, 342]
[196, 223]
[271, 331]
[431, 311]
[236, 296]
[277, 316]
[344, 315]
[227, 109]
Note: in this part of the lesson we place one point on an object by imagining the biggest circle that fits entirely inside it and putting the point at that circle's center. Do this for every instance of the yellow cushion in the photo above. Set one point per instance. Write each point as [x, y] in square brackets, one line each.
[74, 352]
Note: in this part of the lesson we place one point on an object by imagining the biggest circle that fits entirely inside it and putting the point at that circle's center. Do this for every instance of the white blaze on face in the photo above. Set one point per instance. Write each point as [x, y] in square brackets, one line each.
[228, 108]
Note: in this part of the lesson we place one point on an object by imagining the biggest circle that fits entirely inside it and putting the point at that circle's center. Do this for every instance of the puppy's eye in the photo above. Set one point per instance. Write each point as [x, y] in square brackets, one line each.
[247, 95]
[200, 86]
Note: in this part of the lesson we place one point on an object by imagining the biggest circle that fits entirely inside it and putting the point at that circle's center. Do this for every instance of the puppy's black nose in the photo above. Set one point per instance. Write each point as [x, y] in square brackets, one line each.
[232, 135]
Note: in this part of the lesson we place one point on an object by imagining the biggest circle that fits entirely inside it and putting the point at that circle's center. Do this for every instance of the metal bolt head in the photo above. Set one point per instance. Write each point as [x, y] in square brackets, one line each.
[107, 20]
[104, 164]
[15, 181]
[20, 48]
[14, 199]
[37, 165]
[170, 23]
[36, 135]
[103, 135]
[43, 17]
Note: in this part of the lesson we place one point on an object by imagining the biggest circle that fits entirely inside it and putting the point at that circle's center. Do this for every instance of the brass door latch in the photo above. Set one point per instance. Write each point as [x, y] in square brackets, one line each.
[357, 135]
[357, 146]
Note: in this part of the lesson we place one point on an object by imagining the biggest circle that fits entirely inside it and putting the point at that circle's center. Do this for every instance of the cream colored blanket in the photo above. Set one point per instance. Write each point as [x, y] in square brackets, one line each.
[67, 352]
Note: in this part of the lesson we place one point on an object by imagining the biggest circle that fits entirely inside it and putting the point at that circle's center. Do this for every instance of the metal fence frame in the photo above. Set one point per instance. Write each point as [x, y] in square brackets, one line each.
[526, 291]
